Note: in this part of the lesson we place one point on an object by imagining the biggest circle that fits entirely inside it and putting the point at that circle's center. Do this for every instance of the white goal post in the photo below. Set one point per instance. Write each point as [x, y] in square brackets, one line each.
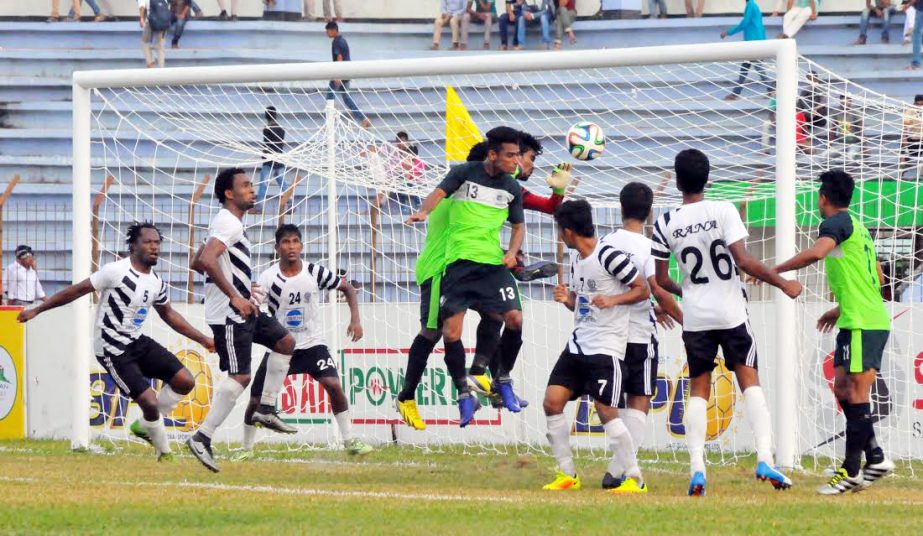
[782, 52]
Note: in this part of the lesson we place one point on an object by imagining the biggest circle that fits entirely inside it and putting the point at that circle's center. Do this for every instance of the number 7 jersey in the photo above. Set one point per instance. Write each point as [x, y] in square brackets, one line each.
[698, 235]
[293, 301]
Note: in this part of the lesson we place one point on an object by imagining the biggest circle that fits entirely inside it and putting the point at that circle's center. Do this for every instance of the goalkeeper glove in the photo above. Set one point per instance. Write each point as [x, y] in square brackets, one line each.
[559, 178]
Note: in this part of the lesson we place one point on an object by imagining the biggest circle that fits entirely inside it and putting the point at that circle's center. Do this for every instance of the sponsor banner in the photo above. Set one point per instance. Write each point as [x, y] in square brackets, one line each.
[12, 386]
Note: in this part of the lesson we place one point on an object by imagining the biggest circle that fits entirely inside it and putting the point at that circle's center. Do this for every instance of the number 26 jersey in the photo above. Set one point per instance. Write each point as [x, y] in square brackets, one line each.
[698, 235]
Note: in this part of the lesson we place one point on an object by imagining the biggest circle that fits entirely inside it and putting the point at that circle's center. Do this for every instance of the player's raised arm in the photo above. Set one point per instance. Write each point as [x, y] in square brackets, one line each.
[821, 248]
[62, 297]
[354, 330]
[179, 324]
[428, 205]
[752, 266]
[207, 262]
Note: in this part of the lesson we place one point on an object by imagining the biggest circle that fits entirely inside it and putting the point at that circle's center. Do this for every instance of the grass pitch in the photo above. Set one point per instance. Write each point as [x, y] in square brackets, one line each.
[46, 488]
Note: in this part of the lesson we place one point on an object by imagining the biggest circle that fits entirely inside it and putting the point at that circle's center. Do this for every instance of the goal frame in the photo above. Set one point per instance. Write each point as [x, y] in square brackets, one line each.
[782, 51]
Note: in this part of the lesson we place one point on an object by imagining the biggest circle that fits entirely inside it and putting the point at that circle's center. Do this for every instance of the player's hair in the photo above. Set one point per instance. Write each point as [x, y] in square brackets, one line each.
[225, 181]
[270, 113]
[691, 168]
[528, 141]
[837, 186]
[497, 136]
[134, 231]
[636, 199]
[577, 216]
[332, 26]
[287, 229]
[478, 152]
[401, 135]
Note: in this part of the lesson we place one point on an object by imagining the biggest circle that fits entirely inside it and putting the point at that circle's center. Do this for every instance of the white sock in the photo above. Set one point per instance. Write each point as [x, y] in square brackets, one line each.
[225, 399]
[167, 400]
[344, 423]
[696, 426]
[623, 448]
[757, 413]
[249, 436]
[276, 371]
[636, 422]
[559, 438]
[158, 434]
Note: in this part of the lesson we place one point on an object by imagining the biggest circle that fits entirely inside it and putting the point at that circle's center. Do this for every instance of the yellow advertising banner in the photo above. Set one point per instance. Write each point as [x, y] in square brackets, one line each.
[12, 384]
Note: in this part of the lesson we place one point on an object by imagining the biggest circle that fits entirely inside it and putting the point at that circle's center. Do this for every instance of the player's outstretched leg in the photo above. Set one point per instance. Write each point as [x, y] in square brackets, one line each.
[495, 401]
[339, 405]
[420, 350]
[249, 436]
[488, 341]
[556, 397]
[276, 366]
[226, 395]
[150, 427]
[468, 404]
[510, 344]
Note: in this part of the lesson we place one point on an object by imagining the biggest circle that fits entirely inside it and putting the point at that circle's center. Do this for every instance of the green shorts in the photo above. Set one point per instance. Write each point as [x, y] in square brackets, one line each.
[860, 350]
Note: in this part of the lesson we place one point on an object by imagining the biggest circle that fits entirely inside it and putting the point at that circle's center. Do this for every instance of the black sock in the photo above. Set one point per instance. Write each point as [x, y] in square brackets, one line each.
[494, 366]
[858, 429]
[455, 362]
[510, 343]
[420, 349]
[873, 452]
[488, 340]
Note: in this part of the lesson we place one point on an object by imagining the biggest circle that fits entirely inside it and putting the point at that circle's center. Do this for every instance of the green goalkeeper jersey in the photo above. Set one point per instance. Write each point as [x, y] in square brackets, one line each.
[853, 275]
[432, 259]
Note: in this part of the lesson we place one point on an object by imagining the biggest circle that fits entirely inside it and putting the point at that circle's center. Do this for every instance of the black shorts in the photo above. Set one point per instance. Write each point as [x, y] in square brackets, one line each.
[737, 346]
[640, 368]
[599, 376]
[429, 304]
[487, 288]
[142, 360]
[234, 342]
[859, 350]
[315, 361]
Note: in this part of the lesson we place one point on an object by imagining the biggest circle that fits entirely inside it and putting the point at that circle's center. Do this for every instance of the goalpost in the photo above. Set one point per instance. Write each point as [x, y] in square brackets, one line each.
[158, 132]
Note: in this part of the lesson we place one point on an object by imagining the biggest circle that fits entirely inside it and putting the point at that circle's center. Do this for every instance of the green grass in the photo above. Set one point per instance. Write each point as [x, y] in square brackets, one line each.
[46, 488]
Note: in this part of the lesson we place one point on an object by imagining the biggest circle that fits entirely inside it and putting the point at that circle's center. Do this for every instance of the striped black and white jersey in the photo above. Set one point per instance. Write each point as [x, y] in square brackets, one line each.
[637, 247]
[606, 272]
[234, 264]
[126, 299]
[293, 301]
[698, 235]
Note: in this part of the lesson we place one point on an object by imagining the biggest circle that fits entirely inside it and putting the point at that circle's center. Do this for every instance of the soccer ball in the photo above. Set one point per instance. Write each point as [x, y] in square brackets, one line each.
[585, 140]
[720, 410]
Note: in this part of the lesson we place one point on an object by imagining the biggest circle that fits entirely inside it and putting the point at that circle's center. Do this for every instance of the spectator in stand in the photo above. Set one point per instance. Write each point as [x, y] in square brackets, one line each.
[155, 17]
[910, 13]
[659, 4]
[21, 284]
[912, 132]
[564, 21]
[56, 10]
[769, 125]
[699, 8]
[752, 26]
[816, 110]
[182, 11]
[339, 48]
[483, 12]
[72, 16]
[273, 144]
[224, 12]
[533, 11]
[801, 120]
[881, 9]
[507, 20]
[333, 10]
[917, 33]
[799, 12]
[455, 13]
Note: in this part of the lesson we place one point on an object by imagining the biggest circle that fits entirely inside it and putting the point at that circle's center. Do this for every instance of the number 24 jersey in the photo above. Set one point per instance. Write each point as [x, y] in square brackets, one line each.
[698, 235]
[293, 301]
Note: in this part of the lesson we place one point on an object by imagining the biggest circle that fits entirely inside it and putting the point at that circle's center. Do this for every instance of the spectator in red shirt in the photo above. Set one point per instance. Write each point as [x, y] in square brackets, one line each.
[564, 22]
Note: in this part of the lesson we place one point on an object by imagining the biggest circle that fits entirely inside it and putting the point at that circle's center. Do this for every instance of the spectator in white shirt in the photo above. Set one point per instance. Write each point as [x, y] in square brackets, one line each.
[455, 13]
[20, 280]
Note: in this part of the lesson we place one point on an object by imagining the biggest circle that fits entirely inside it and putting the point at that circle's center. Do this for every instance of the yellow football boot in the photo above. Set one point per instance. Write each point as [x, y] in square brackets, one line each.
[409, 413]
[563, 482]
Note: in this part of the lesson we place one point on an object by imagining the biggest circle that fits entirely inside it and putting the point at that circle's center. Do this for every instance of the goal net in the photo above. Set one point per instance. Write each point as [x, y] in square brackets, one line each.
[160, 137]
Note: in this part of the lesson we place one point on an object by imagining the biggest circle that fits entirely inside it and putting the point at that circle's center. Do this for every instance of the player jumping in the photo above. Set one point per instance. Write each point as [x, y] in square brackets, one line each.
[604, 284]
[855, 279]
[130, 287]
[708, 240]
[293, 290]
[235, 322]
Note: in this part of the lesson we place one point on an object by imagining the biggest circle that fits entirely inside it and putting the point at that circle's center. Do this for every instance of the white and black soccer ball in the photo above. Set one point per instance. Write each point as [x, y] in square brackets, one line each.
[585, 141]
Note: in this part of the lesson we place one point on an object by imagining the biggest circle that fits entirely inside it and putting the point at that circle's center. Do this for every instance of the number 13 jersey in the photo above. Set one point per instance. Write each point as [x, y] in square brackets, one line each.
[293, 300]
[698, 235]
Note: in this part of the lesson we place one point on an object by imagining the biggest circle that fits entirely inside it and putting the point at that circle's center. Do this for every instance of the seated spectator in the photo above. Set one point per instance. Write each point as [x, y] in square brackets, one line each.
[333, 10]
[533, 11]
[99, 17]
[564, 21]
[56, 11]
[881, 9]
[912, 131]
[799, 12]
[182, 11]
[224, 13]
[659, 4]
[455, 13]
[507, 20]
[483, 12]
[699, 8]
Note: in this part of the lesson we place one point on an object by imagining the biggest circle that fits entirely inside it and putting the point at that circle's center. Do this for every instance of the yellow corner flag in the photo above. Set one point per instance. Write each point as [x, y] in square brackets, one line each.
[460, 131]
